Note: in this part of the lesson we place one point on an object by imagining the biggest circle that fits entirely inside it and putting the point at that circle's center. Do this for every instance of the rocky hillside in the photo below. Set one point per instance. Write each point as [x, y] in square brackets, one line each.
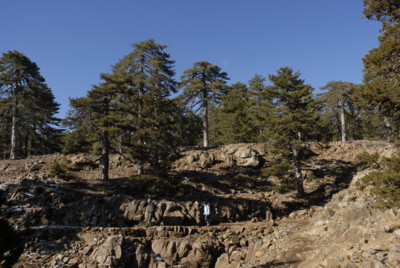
[84, 222]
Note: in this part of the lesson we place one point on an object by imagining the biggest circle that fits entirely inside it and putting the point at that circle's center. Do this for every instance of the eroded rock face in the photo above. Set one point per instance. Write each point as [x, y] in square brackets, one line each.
[24, 209]
[240, 155]
[110, 253]
[62, 226]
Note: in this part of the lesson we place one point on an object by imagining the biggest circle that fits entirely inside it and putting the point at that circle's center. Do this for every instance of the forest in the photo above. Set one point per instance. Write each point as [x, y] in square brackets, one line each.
[141, 112]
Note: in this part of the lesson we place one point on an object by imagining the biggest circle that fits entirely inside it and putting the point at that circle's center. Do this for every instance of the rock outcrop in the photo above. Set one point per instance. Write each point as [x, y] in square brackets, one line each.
[240, 155]
[86, 223]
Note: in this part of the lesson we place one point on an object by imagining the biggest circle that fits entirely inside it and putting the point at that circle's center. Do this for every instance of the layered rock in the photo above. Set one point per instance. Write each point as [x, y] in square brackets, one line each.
[99, 225]
[240, 155]
[24, 209]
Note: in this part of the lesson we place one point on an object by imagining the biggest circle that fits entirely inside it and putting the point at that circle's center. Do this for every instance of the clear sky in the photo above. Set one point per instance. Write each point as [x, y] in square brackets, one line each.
[73, 41]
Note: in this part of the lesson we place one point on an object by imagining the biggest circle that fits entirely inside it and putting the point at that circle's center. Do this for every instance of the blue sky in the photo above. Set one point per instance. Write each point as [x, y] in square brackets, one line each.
[74, 41]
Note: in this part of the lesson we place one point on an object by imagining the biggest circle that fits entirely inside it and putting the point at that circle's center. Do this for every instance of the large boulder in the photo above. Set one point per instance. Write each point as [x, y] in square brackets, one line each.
[110, 253]
[247, 157]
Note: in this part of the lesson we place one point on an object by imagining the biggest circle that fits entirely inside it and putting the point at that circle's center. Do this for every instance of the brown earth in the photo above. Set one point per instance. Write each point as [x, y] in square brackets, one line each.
[84, 222]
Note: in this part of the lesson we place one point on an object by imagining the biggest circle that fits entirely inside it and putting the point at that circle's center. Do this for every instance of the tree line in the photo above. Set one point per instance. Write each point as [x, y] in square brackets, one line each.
[140, 111]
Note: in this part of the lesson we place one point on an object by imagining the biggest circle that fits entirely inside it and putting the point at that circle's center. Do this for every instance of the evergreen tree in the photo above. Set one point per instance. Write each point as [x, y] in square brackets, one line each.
[29, 104]
[382, 65]
[133, 105]
[148, 72]
[232, 122]
[99, 113]
[202, 83]
[339, 106]
[386, 11]
[294, 118]
[189, 124]
[260, 106]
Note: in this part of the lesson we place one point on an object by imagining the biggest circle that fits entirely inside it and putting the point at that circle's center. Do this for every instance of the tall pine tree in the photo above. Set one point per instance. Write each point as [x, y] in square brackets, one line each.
[231, 121]
[260, 106]
[99, 113]
[148, 72]
[294, 118]
[133, 105]
[382, 65]
[202, 83]
[339, 106]
[29, 104]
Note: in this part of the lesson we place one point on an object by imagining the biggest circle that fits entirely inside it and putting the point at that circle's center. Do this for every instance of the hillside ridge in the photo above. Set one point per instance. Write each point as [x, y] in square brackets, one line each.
[84, 222]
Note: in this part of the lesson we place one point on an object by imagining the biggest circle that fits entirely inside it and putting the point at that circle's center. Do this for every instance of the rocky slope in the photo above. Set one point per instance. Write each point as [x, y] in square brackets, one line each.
[50, 222]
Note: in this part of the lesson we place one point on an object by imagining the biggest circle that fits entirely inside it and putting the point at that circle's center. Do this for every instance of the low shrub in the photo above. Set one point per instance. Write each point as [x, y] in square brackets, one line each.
[285, 184]
[62, 170]
[385, 182]
[285, 180]
[152, 186]
[366, 160]
[277, 169]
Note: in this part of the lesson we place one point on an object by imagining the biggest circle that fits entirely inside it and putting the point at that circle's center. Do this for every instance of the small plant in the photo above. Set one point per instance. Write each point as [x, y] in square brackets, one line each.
[151, 186]
[61, 170]
[297, 204]
[277, 170]
[283, 172]
[285, 184]
[366, 160]
[386, 183]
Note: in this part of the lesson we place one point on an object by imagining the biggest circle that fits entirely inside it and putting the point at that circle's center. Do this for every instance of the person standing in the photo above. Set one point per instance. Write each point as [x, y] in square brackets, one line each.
[207, 213]
[152, 211]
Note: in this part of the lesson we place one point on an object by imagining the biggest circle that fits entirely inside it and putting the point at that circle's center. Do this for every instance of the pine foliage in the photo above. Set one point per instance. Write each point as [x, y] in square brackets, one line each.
[382, 65]
[385, 182]
[27, 107]
[231, 121]
[260, 107]
[339, 110]
[131, 112]
[294, 119]
[203, 83]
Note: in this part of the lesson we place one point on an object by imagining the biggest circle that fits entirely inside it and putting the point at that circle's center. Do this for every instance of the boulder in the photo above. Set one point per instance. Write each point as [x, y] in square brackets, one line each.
[167, 249]
[247, 157]
[110, 253]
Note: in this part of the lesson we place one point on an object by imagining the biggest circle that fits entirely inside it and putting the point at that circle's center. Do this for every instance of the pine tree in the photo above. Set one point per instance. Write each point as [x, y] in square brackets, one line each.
[99, 112]
[202, 83]
[339, 105]
[131, 108]
[294, 118]
[148, 72]
[385, 11]
[382, 64]
[260, 106]
[232, 122]
[29, 103]
[189, 124]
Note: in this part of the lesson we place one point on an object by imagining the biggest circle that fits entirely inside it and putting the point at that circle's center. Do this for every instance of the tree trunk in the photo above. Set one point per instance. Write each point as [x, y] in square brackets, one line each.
[140, 166]
[105, 156]
[140, 170]
[28, 146]
[205, 124]
[14, 154]
[388, 127]
[298, 176]
[343, 122]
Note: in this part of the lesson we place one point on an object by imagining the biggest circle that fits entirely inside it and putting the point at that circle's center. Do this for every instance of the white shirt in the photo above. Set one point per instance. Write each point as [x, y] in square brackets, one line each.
[206, 209]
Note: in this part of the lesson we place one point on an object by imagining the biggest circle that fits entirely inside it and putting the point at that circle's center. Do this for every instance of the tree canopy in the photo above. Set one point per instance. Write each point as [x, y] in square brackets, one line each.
[203, 83]
[382, 65]
[28, 108]
[131, 112]
[294, 119]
